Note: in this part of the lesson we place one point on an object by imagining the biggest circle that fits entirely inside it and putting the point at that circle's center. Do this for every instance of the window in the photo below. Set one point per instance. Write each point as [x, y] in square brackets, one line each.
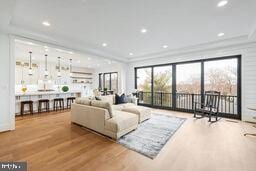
[144, 79]
[108, 81]
[162, 85]
[188, 78]
[178, 85]
[222, 76]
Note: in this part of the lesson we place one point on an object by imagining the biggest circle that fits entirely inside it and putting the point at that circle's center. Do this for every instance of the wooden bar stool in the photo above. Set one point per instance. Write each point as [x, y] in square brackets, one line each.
[23, 103]
[70, 100]
[46, 103]
[58, 103]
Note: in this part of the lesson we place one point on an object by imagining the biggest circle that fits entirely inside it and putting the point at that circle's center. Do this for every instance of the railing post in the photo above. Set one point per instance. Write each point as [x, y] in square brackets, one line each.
[193, 101]
[161, 95]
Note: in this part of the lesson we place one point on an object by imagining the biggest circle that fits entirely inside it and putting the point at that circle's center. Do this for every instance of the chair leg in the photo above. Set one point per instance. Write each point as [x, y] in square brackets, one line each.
[210, 117]
[48, 107]
[31, 108]
[22, 110]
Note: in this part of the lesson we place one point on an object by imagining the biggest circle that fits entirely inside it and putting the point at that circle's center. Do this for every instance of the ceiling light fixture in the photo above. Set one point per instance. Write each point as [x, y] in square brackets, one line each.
[221, 34]
[143, 30]
[46, 23]
[131, 54]
[46, 69]
[59, 73]
[165, 46]
[104, 44]
[70, 68]
[30, 43]
[46, 50]
[222, 3]
[30, 71]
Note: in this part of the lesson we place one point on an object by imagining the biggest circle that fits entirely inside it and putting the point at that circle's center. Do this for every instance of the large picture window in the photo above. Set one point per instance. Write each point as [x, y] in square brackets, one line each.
[108, 81]
[178, 85]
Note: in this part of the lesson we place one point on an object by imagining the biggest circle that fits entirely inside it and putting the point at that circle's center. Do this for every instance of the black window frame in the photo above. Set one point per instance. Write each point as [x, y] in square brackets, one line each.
[102, 80]
[202, 61]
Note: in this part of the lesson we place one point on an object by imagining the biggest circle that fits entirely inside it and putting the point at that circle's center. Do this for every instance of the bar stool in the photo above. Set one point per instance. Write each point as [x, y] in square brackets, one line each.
[58, 103]
[70, 100]
[46, 103]
[29, 103]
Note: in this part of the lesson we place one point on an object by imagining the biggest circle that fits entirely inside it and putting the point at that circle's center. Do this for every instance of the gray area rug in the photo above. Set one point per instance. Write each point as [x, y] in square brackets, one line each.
[151, 135]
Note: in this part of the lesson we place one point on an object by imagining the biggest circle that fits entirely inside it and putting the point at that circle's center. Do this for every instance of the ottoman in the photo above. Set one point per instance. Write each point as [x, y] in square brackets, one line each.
[143, 113]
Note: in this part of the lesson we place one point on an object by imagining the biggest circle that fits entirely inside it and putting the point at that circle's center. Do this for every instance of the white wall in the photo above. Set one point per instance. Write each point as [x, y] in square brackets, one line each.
[6, 85]
[248, 53]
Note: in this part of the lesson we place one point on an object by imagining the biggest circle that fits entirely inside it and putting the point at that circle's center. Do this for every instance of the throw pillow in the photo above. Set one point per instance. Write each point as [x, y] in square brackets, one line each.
[97, 98]
[120, 99]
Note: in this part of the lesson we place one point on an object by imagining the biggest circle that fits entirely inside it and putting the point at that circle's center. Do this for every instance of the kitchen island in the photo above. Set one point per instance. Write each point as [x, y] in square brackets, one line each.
[37, 95]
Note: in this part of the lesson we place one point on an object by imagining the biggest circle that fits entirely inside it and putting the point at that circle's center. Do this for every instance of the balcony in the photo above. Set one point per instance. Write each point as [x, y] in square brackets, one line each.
[185, 102]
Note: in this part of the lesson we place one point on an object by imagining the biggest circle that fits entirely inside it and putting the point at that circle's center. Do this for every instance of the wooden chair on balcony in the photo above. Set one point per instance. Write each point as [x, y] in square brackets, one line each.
[210, 107]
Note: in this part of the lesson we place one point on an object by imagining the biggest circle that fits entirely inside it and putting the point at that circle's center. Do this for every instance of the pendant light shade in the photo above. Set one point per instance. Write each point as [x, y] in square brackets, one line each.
[30, 71]
[70, 68]
[59, 73]
[46, 67]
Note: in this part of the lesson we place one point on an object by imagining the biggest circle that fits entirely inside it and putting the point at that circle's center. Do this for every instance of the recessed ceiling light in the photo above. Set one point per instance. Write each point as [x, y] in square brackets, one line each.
[46, 23]
[143, 30]
[104, 44]
[221, 34]
[165, 46]
[46, 50]
[130, 54]
[222, 3]
[30, 43]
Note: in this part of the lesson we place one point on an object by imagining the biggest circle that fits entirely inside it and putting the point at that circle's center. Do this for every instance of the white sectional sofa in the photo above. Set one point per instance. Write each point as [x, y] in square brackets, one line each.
[104, 117]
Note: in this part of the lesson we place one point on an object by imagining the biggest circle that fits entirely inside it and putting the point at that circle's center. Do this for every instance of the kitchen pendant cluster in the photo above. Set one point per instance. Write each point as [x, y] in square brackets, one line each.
[46, 73]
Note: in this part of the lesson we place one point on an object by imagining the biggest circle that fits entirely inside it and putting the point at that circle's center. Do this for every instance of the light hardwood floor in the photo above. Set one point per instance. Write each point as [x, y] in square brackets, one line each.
[50, 142]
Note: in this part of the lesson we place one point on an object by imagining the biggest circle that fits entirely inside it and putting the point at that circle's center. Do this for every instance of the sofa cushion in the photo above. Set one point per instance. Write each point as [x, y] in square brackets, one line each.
[103, 104]
[121, 121]
[142, 112]
[121, 106]
[120, 99]
[83, 101]
[108, 98]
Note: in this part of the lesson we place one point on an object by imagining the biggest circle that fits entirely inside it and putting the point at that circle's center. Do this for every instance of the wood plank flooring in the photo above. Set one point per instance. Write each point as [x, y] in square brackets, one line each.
[49, 142]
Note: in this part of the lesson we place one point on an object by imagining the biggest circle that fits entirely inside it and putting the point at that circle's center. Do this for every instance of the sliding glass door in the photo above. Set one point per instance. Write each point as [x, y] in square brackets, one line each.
[144, 85]
[188, 85]
[162, 86]
[222, 76]
[179, 85]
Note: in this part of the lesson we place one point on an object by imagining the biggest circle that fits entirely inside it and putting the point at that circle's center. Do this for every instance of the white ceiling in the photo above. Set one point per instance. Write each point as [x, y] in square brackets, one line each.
[23, 47]
[86, 24]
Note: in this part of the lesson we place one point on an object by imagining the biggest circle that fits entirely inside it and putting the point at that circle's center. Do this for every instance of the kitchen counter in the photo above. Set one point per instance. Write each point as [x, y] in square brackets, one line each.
[37, 93]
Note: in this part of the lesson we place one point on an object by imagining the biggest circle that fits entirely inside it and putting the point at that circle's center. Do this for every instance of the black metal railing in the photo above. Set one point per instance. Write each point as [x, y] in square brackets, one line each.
[185, 102]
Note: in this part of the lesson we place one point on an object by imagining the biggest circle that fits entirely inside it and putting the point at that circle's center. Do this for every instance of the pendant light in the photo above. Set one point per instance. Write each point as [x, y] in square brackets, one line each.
[59, 73]
[30, 71]
[70, 68]
[46, 68]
